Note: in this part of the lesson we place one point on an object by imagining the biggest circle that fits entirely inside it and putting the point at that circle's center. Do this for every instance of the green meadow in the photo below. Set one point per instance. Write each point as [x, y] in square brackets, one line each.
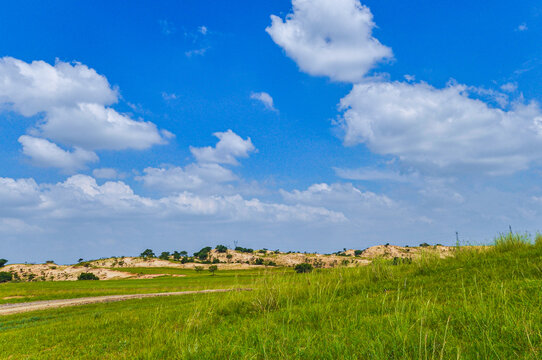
[482, 303]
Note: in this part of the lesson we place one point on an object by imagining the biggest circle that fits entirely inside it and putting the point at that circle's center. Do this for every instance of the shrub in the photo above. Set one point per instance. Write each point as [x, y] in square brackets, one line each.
[198, 268]
[358, 252]
[148, 253]
[164, 255]
[259, 261]
[244, 250]
[49, 262]
[5, 276]
[270, 263]
[176, 255]
[216, 261]
[87, 276]
[186, 259]
[424, 244]
[221, 248]
[212, 269]
[3, 262]
[303, 268]
[229, 256]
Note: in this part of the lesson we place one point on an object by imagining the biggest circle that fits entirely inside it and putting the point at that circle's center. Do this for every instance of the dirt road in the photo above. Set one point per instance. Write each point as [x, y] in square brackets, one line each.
[8, 309]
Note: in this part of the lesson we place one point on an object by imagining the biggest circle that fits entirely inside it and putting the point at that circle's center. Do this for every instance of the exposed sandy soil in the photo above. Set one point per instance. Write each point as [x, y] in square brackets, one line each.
[111, 268]
[53, 272]
[8, 309]
[392, 251]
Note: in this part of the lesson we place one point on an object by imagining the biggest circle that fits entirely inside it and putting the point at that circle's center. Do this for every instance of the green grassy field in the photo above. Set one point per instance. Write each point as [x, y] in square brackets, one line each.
[481, 304]
[45, 290]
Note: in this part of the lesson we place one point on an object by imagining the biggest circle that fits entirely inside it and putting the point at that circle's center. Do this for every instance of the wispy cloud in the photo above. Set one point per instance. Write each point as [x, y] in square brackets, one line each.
[522, 27]
[265, 99]
[167, 27]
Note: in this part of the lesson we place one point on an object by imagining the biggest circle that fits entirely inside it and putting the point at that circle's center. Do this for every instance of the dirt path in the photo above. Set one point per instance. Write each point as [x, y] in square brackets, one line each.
[8, 309]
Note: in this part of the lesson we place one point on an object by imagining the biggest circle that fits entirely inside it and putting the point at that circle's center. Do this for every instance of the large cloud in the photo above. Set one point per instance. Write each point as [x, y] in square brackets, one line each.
[442, 130]
[80, 197]
[329, 38]
[73, 101]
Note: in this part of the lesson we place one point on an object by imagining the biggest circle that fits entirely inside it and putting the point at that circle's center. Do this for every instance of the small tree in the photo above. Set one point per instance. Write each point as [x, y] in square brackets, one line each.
[80, 260]
[3, 262]
[183, 253]
[358, 252]
[212, 269]
[303, 268]
[221, 248]
[87, 276]
[5, 276]
[198, 268]
[164, 255]
[203, 253]
[176, 255]
[148, 253]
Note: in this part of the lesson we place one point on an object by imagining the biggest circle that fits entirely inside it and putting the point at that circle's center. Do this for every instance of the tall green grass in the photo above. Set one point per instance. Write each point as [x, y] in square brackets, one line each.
[483, 303]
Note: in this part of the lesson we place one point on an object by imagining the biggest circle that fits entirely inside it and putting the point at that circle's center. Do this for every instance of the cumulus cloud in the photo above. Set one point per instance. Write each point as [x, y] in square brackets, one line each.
[229, 147]
[338, 194]
[73, 102]
[92, 126]
[47, 154]
[265, 99]
[442, 129]
[81, 197]
[329, 38]
[107, 173]
[192, 177]
[30, 88]
[371, 174]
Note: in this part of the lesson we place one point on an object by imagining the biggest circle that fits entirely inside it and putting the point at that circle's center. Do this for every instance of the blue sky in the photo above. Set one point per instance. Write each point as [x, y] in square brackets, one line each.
[351, 124]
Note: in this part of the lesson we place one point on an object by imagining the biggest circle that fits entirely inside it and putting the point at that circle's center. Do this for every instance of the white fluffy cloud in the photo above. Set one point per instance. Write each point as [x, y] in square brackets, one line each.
[30, 88]
[265, 99]
[191, 177]
[107, 173]
[47, 154]
[73, 102]
[338, 194]
[371, 174]
[442, 129]
[329, 38]
[229, 147]
[81, 197]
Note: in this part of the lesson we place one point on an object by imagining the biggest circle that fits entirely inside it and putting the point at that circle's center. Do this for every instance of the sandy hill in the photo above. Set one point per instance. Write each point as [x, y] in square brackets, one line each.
[111, 268]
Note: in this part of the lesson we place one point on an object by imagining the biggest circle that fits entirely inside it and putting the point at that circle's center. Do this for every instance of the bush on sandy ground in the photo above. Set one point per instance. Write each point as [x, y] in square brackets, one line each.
[5, 276]
[87, 276]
